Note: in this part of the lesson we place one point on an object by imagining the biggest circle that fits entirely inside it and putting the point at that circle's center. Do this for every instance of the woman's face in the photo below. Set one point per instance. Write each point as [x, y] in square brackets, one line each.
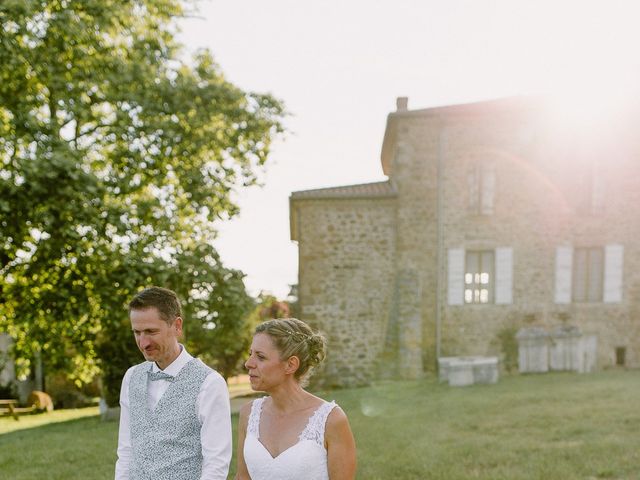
[266, 368]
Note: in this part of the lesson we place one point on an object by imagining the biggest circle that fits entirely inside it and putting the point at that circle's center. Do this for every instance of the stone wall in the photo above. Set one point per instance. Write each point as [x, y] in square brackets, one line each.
[537, 207]
[346, 258]
[415, 176]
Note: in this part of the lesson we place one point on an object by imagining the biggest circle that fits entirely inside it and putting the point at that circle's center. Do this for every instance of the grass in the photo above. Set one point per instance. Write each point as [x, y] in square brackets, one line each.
[560, 426]
[555, 426]
[68, 448]
[7, 424]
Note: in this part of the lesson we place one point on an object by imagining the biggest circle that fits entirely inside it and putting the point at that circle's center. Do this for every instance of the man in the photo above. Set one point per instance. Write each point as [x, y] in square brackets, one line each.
[175, 421]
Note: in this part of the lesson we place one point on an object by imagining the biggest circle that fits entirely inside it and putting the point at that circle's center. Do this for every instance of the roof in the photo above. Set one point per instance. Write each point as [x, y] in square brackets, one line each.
[496, 105]
[348, 192]
[487, 107]
[363, 190]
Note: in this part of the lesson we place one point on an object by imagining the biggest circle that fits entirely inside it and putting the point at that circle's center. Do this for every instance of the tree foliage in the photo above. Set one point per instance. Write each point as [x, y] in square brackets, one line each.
[118, 152]
[222, 332]
[269, 307]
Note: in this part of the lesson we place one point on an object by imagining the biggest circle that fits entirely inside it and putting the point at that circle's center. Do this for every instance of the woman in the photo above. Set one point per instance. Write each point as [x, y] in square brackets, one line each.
[291, 434]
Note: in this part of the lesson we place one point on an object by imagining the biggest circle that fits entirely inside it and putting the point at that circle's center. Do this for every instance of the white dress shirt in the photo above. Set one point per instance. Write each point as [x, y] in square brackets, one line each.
[213, 412]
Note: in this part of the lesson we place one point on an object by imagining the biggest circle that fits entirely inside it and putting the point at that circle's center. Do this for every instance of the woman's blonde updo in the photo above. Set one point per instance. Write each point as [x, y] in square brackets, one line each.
[293, 337]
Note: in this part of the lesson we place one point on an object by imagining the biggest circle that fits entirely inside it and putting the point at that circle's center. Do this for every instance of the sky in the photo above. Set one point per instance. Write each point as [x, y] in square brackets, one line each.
[339, 65]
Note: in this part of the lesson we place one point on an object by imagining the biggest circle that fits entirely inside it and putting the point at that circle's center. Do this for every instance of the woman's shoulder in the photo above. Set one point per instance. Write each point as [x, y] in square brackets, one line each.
[337, 419]
[328, 412]
[336, 413]
[245, 409]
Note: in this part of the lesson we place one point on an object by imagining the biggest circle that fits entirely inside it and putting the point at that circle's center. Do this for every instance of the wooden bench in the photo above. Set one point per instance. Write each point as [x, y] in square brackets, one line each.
[10, 407]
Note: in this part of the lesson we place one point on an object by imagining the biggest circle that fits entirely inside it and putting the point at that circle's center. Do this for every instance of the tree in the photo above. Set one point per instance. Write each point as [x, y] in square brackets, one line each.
[270, 307]
[220, 331]
[117, 155]
[266, 308]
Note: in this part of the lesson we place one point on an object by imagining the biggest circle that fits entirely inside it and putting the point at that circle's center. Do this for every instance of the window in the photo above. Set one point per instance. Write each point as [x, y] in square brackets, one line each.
[588, 269]
[589, 274]
[482, 181]
[478, 276]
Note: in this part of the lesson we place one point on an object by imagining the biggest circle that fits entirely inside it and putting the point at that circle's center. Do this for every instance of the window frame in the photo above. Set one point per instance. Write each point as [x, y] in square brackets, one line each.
[472, 280]
[481, 189]
[589, 265]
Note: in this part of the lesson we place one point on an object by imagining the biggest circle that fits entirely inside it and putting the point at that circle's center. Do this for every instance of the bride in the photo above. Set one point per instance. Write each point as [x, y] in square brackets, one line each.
[291, 434]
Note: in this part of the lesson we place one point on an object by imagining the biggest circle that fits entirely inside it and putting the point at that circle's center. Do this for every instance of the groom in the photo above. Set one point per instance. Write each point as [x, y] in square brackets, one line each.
[174, 410]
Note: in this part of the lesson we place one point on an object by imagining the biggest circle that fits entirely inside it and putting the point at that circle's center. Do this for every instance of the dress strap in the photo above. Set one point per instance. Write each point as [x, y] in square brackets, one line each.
[253, 426]
[315, 428]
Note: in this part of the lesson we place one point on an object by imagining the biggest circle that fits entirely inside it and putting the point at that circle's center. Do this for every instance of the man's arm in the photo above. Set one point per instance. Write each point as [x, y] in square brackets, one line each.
[124, 432]
[214, 414]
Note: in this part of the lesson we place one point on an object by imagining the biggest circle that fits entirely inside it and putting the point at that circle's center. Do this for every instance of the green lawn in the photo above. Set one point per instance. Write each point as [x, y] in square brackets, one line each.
[556, 426]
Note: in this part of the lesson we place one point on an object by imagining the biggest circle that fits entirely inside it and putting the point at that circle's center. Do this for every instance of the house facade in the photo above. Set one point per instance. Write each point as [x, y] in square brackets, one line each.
[495, 216]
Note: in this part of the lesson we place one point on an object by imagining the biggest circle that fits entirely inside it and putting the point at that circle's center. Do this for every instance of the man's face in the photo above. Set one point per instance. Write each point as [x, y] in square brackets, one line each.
[156, 339]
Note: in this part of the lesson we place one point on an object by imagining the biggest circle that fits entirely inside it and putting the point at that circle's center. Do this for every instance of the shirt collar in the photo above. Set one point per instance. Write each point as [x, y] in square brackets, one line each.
[174, 368]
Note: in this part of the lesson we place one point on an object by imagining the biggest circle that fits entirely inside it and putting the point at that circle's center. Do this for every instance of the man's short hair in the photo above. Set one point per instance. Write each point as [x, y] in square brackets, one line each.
[165, 300]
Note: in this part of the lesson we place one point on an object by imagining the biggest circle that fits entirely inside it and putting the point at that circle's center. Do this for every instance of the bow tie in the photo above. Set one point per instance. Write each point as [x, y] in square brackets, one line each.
[153, 376]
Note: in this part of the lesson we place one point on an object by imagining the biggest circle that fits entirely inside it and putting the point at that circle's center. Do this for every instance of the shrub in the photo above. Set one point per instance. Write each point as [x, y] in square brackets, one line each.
[8, 390]
[508, 347]
[65, 394]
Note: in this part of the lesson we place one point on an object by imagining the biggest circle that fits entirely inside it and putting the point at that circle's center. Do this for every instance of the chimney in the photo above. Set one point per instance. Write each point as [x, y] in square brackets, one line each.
[402, 103]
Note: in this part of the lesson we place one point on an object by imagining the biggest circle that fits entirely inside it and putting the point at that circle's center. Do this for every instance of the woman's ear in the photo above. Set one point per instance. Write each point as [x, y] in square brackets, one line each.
[293, 363]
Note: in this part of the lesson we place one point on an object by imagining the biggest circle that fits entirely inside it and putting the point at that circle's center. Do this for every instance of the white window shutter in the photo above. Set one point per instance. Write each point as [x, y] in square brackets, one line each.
[488, 189]
[504, 275]
[564, 265]
[456, 276]
[613, 262]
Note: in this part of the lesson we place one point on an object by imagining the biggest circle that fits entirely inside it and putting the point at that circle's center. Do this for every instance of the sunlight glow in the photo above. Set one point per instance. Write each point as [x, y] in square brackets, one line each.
[595, 75]
[590, 106]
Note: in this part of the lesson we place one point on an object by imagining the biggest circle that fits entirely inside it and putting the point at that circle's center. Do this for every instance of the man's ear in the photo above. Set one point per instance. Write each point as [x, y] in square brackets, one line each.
[293, 363]
[177, 323]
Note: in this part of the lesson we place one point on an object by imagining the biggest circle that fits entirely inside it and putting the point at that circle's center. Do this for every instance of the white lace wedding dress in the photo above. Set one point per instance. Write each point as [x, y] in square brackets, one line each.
[306, 459]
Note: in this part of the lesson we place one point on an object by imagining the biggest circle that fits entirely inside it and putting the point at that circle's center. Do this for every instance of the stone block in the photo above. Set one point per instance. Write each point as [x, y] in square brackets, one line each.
[565, 348]
[460, 373]
[485, 370]
[533, 350]
[588, 350]
[443, 368]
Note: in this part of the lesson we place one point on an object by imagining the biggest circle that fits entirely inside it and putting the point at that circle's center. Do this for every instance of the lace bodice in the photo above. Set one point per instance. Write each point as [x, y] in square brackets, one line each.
[306, 459]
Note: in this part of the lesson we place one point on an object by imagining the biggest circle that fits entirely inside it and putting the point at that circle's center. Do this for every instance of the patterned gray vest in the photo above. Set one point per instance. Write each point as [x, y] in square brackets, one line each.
[165, 441]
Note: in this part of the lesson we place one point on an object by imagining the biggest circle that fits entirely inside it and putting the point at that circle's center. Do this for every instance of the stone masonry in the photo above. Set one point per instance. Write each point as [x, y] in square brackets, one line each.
[348, 245]
[383, 267]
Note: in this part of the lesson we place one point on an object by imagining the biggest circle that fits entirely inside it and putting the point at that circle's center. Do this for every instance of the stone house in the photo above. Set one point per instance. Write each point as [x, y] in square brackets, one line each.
[495, 215]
